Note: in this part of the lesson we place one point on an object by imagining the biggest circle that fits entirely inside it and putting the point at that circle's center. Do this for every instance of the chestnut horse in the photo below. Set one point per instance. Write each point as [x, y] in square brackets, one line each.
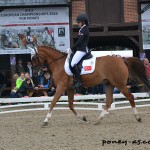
[25, 42]
[112, 71]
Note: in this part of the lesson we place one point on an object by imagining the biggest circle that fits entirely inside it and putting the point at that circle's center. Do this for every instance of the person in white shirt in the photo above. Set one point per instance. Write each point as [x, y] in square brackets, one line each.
[29, 69]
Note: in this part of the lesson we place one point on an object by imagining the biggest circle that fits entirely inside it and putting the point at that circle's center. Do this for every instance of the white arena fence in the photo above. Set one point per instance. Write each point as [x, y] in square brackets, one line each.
[83, 102]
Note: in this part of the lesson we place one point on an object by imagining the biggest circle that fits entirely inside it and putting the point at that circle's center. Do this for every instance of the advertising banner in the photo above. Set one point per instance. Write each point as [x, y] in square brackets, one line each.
[31, 2]
[47, 26]
[146, 27]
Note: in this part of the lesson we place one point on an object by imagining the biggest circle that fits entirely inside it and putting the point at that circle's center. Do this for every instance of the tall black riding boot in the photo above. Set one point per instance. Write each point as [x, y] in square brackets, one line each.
[77, 77]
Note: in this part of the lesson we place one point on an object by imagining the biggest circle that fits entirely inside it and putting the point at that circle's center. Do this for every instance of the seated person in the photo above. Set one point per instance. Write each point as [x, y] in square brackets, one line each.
[14, 89]
[116, 91]
[26, 89]
[131, 85]
[47, 77]
[147, 67]
[35, 77]
[27, 75]
[41, 73]
[20, 80]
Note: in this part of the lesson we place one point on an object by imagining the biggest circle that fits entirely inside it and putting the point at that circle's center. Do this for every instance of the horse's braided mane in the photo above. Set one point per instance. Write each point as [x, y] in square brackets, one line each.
[54, 48]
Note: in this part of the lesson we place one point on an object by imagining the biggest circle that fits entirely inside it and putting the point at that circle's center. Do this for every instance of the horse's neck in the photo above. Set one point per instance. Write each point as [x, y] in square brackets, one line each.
[55, 59]
[23, 36]
[55, 53]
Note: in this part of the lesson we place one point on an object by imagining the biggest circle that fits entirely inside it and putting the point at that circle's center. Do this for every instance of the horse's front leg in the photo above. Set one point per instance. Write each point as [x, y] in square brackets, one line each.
[71, 106]
[57, 96]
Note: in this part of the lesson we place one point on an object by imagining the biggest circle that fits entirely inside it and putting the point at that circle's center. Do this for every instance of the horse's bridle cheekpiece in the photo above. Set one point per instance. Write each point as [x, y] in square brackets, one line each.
[34, 53]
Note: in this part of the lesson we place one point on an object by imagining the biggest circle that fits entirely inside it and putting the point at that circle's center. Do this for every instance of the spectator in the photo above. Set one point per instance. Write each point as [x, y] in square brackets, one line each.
[41, 75]
[2, 83]
[47, 77]
[26, 89]
[52, 91]
[14, 90]
[27, 75]
[20, 80]
[116, 91]
[147, 67]
[35, 77]
[19, 67]
[29, 69]
[96, 89]
[131, 85]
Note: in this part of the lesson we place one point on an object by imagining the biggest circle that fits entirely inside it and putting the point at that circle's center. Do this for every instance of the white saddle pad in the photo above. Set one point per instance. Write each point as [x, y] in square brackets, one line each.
[29, 39]
[88, 66]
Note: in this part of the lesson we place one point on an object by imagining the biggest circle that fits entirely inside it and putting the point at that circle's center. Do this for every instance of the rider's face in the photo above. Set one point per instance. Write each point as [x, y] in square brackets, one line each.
[79, 24]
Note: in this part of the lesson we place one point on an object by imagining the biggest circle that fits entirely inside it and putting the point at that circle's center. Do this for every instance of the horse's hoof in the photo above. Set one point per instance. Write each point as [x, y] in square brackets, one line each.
[97, 122]
[45, 124]
[139, 120]
[84, 119]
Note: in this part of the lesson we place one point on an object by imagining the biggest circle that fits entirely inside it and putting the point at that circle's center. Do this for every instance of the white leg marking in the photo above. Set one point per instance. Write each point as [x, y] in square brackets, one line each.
[101, 116]
[134, 111]
[103, 113]
[79, 116]
[136, 115]
[48, 117]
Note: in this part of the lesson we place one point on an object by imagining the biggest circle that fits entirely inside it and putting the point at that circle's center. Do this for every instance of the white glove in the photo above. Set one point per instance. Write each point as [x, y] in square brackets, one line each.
[68, 51]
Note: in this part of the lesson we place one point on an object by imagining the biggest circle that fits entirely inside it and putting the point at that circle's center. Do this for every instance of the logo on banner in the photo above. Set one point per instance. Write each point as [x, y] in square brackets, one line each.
[87, 68]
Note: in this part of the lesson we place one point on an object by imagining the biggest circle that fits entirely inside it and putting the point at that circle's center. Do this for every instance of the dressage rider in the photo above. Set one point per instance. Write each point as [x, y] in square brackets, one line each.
[80, 47]
[28, 33]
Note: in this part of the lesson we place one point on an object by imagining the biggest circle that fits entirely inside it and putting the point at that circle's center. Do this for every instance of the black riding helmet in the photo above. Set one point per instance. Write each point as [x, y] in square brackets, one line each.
[46, 28]
[83, 18]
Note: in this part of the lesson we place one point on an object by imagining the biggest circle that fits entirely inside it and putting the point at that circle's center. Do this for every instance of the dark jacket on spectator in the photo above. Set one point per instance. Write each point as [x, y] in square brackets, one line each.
[24, 88]
[19, 69]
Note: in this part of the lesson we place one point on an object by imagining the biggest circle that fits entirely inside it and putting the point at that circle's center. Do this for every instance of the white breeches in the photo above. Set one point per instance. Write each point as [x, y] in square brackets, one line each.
[77, 57]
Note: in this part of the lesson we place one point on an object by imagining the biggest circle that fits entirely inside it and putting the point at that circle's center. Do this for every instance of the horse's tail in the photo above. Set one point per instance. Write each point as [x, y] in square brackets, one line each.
[137, 71]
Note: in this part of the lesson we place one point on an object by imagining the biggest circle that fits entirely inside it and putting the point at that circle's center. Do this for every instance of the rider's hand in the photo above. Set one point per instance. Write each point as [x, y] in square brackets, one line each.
[68, 51]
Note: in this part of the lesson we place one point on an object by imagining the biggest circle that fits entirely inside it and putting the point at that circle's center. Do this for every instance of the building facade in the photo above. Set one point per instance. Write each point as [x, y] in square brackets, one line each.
[111, 23]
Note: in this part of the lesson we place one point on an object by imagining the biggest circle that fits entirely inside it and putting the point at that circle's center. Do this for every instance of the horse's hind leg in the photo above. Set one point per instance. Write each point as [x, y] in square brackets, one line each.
[109, 99]
[130, 97]
[70, 102]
